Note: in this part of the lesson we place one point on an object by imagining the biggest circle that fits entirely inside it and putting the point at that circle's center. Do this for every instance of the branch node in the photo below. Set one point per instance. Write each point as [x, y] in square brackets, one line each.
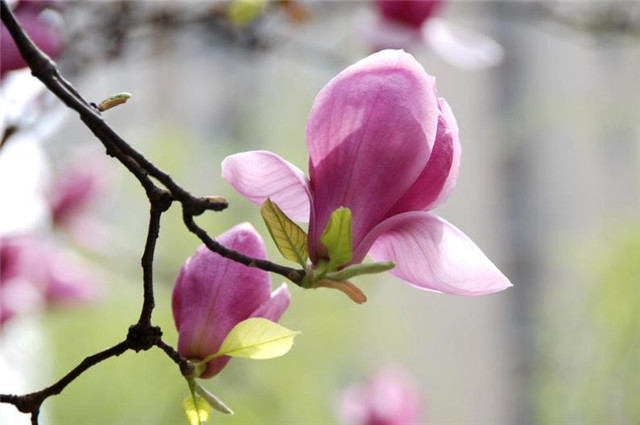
[142, 337]
[160, 199]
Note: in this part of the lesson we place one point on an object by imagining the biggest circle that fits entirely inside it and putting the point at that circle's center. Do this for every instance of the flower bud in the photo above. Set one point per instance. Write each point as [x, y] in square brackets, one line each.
[213, 293]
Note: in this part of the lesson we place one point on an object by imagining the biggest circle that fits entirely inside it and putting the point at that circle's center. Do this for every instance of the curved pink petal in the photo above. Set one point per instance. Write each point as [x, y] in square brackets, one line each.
[432, 254]
[259, 175]
[369, 135]
[212, 294]
[274, 307]
[438, 179]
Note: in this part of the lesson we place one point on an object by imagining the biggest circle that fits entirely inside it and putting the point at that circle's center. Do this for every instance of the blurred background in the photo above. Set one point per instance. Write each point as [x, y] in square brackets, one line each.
[547, 97]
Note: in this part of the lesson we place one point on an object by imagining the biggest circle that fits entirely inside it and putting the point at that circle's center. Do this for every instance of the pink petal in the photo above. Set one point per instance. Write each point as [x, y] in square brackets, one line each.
[369, 135]
[213, 294]
[274, 307]
[438, 179]
[259, 175]
[432, 254]
[462, 47]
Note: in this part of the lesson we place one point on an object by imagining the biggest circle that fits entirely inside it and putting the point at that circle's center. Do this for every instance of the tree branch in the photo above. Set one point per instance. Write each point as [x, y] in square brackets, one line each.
[142, 335]
[43, 68]
[30, 403]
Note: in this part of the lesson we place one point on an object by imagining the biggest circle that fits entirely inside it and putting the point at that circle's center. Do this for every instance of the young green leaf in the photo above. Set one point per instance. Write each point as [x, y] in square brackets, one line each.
[196, 409]
[213, 401]
[290, 239]
[337, 237]
[257, 338]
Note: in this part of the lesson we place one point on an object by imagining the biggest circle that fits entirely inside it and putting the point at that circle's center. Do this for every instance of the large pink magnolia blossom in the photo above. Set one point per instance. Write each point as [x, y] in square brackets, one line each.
[212, 294]
[389, 397]
[382, 144]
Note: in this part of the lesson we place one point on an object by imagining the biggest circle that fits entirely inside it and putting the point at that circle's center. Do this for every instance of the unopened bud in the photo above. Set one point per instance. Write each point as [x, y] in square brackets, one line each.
[216, 199]
[114, 100]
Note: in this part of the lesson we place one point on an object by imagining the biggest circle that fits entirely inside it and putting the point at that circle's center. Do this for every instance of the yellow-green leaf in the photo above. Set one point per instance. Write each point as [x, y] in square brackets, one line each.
[337, 237]
[257, 338]
[290, 239]
[196, 409]
[243, 12]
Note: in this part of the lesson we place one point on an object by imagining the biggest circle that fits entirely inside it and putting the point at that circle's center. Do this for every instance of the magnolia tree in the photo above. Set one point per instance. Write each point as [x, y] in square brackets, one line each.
[384, 150]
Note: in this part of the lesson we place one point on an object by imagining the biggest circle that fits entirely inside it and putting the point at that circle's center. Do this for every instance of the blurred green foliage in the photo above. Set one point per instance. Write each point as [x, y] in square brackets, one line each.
[590, 370]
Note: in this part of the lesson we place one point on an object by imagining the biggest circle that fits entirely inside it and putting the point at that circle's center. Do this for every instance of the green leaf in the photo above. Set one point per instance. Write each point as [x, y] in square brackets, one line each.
[337, 237]
[196, 409]
[359, 269]
[213, 401]
[290, 239]
[257, 338]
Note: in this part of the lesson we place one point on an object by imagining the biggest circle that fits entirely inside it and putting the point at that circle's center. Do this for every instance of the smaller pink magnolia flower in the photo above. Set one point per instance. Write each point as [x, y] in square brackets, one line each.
[384, 145]
[81, 182]
[388, 398]
[413, 13]
[72, 192]
[212, 294]
[406, 23]
[45, 35]
[34, 273]
[16, 295]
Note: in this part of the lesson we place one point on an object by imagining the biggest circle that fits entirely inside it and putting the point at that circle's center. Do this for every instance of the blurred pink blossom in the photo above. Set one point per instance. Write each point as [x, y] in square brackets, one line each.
[388, 398]
[412, 13]
[43, 33]
[383, 144]
[34, 273]
[409, 23]
[81, 182]
[72, 192]
[212, 294]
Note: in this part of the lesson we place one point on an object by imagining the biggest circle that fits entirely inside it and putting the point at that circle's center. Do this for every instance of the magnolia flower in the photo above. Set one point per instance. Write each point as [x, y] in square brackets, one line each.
[403, 23]
[45, 35]
[382, 144]
[212, 294]
[412, 13]
[35, 273]
[81, 182]
[388, 398]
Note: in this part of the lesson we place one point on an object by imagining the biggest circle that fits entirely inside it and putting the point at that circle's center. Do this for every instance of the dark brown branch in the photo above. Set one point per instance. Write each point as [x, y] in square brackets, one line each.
[186, 368]
[158, 206]
[142, 335]
[291, 274]
[45, 70]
